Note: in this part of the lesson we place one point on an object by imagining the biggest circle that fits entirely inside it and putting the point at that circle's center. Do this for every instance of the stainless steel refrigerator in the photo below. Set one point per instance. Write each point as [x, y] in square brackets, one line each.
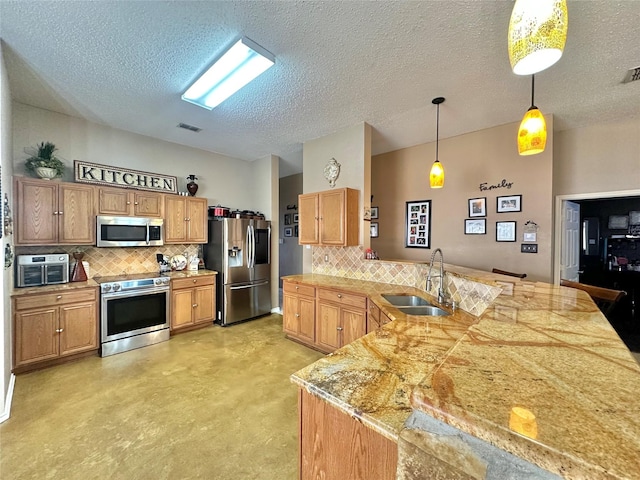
[239, 250]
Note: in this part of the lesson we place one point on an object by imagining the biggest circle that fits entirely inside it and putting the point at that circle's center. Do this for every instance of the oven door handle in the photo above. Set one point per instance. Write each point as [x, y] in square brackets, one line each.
[134, 293]
[147, 240]
[249, 286]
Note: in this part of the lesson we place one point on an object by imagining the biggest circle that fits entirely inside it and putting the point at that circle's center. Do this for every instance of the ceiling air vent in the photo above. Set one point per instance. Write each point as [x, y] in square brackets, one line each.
[632, 75]
[186, 126]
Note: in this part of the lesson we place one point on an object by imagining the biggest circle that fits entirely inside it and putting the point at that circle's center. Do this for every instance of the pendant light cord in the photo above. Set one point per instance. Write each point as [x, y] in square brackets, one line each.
[533, 87]
[437, 128]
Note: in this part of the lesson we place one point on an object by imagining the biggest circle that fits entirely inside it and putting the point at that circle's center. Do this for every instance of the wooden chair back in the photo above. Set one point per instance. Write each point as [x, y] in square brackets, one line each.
[511, 274]
[605, 298]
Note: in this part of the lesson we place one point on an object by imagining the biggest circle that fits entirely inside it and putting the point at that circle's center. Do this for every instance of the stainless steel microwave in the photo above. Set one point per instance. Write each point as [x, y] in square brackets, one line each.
[46, 269]
[128, 231]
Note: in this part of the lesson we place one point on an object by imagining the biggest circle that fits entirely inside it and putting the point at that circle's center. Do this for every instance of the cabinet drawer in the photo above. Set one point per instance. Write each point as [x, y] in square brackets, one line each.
[59, 298]
[178, 283]
[299, 289]
[374, 311]
[342, 298]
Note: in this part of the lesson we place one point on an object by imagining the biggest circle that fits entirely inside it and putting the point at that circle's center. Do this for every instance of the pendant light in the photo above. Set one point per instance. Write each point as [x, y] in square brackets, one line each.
[532, 135]
[537, 34]
[436, 177]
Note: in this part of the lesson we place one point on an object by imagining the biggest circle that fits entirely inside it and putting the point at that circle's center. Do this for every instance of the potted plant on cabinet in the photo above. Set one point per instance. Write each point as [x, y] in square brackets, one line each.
[44, 163]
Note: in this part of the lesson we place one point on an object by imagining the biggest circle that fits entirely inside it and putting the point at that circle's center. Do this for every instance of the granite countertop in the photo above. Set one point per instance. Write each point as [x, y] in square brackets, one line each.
[190, 273]
[60, 287]
[540, 374]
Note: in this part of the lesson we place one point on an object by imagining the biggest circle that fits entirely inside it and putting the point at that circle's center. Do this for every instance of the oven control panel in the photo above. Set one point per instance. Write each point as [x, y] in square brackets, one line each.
[138, 284]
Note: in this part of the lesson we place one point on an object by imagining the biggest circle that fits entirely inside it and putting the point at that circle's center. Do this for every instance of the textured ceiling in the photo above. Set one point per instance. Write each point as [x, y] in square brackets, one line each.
[125, 64]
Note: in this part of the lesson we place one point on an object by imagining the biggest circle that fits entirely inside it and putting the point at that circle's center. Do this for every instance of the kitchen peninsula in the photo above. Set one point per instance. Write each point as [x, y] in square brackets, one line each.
[539, 381]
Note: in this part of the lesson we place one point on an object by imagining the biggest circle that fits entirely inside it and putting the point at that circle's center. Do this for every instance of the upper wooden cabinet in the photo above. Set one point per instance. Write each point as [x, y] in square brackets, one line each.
[54, 213]
[329, 218]
[123, 203]
[185, 219]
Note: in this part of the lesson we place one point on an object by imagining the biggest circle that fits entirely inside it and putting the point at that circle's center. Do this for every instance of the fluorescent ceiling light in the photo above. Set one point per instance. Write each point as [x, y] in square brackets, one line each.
[243, 62]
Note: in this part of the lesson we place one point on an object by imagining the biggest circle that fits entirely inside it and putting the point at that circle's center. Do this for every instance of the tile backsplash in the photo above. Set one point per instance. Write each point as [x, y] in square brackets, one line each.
[116, 261]
[471, 296]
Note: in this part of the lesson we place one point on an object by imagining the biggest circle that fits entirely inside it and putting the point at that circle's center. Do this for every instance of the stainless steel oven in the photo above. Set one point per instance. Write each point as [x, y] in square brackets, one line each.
[134, 313]
[34, 270]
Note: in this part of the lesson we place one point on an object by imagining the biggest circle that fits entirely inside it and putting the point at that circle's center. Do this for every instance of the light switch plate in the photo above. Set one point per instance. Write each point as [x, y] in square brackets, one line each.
[529, 248]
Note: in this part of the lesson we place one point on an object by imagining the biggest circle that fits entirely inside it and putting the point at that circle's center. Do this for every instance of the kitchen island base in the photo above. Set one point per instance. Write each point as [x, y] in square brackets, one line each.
[334, 446]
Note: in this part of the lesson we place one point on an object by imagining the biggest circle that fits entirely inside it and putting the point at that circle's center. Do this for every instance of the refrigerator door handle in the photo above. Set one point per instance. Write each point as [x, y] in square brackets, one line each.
[241, 287]
[248, 246]
[253, 246]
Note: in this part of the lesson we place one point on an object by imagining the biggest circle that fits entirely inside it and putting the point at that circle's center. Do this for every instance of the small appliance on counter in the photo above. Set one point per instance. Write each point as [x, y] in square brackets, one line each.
[47, 269]
[163, 263]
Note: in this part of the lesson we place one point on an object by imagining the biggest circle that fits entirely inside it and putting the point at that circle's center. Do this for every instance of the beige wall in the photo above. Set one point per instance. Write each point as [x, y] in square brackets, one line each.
[290, 251]
[223, 180]
[599, 158]
[6, 279]
[485, 156]
[351, 147]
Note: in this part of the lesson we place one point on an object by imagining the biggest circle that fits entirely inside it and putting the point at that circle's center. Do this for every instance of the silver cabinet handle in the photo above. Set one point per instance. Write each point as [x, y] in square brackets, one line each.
[58, 297]
[60, 213]
[128, 203]
[194, 305]
[59, 330]
[135, 203]
[297, 287]
[297, 314]
[339, 329]
[195, 280]
[339, 296]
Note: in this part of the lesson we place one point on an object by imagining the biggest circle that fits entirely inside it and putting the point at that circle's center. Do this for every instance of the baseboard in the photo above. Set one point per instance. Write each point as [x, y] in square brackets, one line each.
[276, 310]
[6, 411]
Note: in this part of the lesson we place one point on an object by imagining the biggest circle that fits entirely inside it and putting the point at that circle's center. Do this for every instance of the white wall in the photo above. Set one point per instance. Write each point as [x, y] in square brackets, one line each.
[222, 180]
[351, 147]
[6, 279]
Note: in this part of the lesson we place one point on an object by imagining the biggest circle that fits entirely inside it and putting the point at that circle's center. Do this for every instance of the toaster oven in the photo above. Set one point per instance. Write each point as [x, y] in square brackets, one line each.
[48, 269]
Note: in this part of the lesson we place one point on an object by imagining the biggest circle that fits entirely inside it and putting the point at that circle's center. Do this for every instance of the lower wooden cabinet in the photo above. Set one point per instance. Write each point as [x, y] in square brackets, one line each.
[340, 318]
[54, 326]
[375, 317]
[334, 446]
[299, 306]
[193, 302]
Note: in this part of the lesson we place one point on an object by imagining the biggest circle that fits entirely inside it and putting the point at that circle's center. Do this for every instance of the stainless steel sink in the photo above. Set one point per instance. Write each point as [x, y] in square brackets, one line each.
[405, 300]
[430, 311]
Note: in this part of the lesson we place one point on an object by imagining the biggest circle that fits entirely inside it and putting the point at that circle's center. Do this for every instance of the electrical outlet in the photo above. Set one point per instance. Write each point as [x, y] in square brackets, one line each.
[529, 248]
[326, 259]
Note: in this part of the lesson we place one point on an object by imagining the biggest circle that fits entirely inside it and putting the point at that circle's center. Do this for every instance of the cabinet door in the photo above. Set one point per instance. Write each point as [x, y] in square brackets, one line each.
[147, 204]
[327, 326]
[112, 201]
[175, 220]
[79, 328]
[308, 219]
[76, 215]
[36, 212]
[307, 323]
[354, 324]
[36, 338]
[181, 308]
[332, 227]
[205, 304]
[290, 314]
[197, 220]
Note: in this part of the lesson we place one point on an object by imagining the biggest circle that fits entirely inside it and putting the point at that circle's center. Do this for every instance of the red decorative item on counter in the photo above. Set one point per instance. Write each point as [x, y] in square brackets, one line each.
[78, 274]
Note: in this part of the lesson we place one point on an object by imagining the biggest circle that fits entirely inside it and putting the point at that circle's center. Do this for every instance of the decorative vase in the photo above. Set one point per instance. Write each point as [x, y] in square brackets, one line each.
[79, 274]
[46, 172]
[192, 186]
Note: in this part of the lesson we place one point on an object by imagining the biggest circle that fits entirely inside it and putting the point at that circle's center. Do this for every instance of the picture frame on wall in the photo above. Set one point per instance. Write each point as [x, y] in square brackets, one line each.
[288, 232]
[478, 207]
[295, 218]
[374, 213]
[418, 224]
[512, 203]
[374, 230]
[475, 226]
[505, 231]
[287, 219]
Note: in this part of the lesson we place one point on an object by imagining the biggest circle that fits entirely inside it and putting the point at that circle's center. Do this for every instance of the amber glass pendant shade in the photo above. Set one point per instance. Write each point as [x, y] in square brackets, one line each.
[532, 135]
[537, 34]
[436, 177]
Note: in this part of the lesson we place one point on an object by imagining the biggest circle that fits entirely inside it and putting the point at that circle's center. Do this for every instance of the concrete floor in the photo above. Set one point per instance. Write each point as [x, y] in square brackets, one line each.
[212, 404]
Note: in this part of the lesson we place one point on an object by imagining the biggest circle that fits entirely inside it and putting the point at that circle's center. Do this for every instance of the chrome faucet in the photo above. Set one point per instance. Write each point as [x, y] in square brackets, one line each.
[442, 296]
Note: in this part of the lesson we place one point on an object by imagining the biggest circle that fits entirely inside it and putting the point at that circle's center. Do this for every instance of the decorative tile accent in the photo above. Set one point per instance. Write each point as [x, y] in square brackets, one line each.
[471, 296]
[116, 261]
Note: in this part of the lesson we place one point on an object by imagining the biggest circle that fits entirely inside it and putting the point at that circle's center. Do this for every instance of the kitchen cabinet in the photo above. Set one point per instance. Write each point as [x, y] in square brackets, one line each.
[54, 213]
[185, 219]
[299, 312]
[123, 203]
[334, 446]
[340, 318]
[375, 317]
[54, 326]
[193, 302]
[329, 218]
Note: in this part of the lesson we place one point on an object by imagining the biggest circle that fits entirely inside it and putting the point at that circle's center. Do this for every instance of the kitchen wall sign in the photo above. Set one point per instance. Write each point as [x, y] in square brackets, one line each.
[418, 224]
[94, 173]
[484, 187]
